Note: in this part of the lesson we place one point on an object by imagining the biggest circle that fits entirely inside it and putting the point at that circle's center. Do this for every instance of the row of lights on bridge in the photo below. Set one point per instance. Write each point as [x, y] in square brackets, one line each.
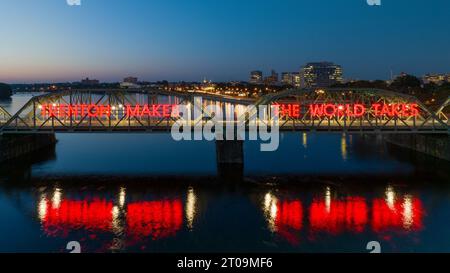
[120, 106]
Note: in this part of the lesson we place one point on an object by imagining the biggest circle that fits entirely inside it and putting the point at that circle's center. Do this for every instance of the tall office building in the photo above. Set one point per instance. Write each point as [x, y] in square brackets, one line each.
[296, 79]
[256, 77]
[286, 78]
[291, 78]
[322, 74]
[272, 79]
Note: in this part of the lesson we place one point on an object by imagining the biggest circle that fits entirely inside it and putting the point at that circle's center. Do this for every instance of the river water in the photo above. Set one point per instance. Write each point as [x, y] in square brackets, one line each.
[148, 193]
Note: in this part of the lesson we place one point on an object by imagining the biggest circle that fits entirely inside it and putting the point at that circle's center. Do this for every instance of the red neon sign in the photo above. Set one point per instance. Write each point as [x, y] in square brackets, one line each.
[97, 111]
[333, 110]
[73, 110]
[330, 110]
[153, 110]
[396, 110]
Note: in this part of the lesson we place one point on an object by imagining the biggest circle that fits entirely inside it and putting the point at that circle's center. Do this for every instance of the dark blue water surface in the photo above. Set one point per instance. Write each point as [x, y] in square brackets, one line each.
[148, 193]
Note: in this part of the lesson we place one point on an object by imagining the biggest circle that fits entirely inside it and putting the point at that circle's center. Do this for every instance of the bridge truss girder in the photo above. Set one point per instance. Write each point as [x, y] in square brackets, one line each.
[29, 119]
[426, 122]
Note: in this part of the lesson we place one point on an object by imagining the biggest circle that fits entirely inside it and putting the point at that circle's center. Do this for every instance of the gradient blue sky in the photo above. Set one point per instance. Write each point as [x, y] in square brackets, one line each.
[49, 41]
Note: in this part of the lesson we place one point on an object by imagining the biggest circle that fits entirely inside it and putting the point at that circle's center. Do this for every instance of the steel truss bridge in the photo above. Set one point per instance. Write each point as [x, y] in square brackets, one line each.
[78, 115]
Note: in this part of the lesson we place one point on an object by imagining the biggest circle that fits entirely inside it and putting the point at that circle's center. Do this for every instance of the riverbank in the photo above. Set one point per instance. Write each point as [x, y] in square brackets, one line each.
[437, 146]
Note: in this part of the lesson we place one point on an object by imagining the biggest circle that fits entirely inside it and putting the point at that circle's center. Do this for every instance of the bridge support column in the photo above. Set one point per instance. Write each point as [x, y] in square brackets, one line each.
[230, 159]
[13, 146]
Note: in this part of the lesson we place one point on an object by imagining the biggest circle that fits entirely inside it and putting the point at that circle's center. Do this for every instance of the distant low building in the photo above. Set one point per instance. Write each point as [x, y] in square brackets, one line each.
[207, 85]
[129, 85]
[130, 82]
[88, 81]
[438, 79]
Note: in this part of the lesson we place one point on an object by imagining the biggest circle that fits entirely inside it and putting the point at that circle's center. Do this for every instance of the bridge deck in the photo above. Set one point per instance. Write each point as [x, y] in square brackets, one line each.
[284, 126]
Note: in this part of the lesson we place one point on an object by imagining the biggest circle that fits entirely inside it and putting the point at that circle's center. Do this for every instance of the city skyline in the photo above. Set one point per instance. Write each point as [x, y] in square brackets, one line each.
[172, 41]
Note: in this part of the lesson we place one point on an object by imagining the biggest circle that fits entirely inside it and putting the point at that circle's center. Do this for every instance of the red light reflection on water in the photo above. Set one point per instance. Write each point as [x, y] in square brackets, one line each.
[153, 219]
[289, 220]
[336, 216]
[58, 220]
[401, 215]
[157, 219]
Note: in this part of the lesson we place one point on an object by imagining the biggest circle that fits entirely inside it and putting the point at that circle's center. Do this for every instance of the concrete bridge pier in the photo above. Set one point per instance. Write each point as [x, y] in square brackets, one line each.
[230, 159]
[13, 146]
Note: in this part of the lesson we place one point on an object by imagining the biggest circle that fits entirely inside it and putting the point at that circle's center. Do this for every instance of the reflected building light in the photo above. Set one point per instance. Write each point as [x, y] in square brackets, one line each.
[115, 217]
[240, 110]
[42, 208]
[122, 197]
[305, 140]
[344, 147]
[117, 223]
[390, 197]
[328, 199]
[191, 208]
[408, 214]
[271, 210]
[56, 199]
[267, 200]
[115, 213]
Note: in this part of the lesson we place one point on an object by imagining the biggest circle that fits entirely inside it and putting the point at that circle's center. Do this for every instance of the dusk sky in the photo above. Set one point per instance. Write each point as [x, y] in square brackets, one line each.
[223, 40]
